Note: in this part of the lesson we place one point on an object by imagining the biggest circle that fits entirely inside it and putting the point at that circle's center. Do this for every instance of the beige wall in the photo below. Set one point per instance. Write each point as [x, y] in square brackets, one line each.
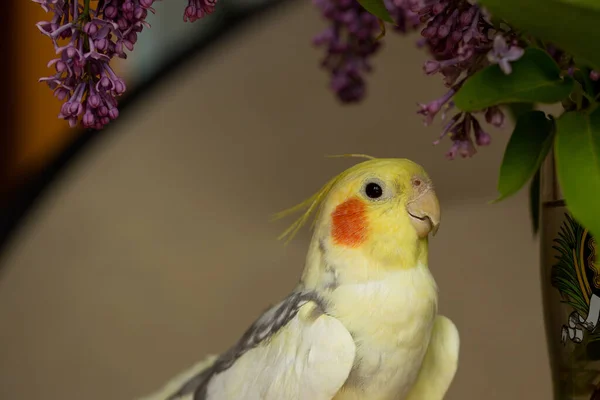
[156, 248]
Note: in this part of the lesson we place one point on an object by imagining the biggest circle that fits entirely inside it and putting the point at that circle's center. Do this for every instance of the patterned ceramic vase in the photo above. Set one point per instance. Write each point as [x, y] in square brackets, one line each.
[571, 295]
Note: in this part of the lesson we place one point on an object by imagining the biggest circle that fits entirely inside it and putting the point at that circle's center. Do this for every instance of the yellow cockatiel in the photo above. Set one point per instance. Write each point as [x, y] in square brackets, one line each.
[362, 323]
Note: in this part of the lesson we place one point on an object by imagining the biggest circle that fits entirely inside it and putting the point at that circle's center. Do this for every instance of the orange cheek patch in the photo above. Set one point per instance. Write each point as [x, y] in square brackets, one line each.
[349, 223]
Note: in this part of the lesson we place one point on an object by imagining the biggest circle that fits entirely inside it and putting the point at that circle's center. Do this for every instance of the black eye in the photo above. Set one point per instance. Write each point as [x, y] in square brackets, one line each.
[373, 190]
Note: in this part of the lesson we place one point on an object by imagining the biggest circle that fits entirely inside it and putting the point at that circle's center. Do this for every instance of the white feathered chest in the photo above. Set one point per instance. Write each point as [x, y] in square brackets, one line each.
[390, 321]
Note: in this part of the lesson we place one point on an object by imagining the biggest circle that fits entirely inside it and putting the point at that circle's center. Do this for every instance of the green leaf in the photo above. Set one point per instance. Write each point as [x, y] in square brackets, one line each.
[528, 146]
[582, 3]
[577, 152]
[569, 24]
[378, 9]
[534, 202]
[517, 109]
[535, 78]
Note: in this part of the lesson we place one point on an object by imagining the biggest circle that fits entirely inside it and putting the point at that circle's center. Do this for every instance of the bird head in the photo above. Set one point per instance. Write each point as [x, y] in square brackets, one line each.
[380, 209]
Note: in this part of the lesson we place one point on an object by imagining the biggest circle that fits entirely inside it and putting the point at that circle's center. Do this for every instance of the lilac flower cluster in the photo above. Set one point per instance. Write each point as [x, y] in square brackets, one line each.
[350, 42]
[406, 19]
[85, 41]
[462, 40]
[197, 9]
[86, 38]
[457, 34]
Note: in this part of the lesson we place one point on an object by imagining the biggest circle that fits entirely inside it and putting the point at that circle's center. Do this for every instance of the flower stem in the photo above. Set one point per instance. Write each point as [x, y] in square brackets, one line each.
[85, 14]
[86, 8]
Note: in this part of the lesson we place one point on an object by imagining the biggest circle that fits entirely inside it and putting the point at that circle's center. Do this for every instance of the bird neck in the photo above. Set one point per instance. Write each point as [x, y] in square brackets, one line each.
[328, 266]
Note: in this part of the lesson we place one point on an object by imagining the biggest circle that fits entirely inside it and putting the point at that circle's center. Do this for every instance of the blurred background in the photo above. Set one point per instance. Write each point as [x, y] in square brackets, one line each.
[128, 254]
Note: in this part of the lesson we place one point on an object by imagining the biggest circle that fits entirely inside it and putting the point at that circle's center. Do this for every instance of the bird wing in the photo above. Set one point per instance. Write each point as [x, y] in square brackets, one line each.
[440, 362]
[175, 384]
[294, 351]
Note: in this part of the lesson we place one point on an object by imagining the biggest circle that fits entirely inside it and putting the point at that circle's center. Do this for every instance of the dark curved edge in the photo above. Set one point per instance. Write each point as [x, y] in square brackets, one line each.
[7, 117]
[23, 200]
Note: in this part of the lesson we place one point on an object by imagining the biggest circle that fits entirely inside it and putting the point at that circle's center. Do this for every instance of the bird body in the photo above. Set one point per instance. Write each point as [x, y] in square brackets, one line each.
[362, 322]
[391, 345]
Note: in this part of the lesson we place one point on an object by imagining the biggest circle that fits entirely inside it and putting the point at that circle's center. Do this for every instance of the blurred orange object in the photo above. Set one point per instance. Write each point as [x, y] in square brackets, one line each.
[37, 135]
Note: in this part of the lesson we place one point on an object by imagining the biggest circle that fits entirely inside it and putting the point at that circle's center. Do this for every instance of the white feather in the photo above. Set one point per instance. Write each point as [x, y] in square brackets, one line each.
[391, 320]
[440, 363]
[175, 383]
[308, 359]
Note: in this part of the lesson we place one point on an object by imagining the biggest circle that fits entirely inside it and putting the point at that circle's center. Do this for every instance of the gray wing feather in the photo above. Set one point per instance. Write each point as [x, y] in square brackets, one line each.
[261, 330]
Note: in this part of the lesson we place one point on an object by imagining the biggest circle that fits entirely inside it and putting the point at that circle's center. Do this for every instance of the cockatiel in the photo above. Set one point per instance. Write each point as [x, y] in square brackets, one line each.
[362, 322]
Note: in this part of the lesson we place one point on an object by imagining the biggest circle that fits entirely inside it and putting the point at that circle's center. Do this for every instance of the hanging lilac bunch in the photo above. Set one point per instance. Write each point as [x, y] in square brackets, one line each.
[406, 19]
[86, 38]
[350, 42]
[197, 9]
[461, 41]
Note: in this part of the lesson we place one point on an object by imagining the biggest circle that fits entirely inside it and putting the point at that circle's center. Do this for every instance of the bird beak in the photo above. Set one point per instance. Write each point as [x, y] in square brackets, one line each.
[424, 211]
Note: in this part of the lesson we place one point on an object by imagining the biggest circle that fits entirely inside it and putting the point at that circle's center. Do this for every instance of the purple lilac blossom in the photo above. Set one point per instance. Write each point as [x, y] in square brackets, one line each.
[406, 20]
[86, 38]
[458, 35]
[197, 9]
[350, 41]
[502, 54]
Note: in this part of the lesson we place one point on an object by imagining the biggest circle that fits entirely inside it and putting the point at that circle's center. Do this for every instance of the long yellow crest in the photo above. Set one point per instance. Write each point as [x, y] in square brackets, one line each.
[313, 203]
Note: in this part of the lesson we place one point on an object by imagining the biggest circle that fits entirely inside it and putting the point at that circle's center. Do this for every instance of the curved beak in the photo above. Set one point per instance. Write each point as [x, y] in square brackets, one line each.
[424, 211]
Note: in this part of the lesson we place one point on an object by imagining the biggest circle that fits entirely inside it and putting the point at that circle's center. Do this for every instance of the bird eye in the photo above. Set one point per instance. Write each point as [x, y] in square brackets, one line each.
[373, 190]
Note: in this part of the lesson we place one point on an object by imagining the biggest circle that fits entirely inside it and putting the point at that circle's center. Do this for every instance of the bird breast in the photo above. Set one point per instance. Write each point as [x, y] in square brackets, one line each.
[391, 322]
